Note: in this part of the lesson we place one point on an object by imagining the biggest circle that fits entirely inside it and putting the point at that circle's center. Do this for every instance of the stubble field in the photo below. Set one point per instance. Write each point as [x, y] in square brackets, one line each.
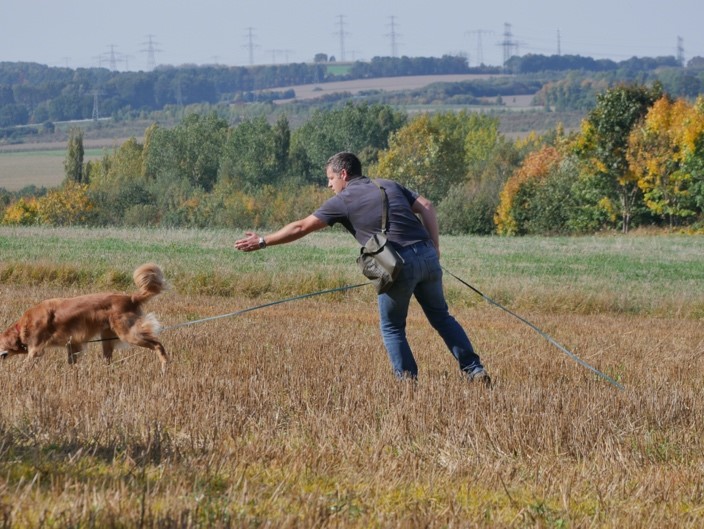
[288, 416]
[40, 165]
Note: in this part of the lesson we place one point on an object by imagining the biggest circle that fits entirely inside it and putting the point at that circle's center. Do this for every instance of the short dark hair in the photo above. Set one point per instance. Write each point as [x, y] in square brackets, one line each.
[347, 161]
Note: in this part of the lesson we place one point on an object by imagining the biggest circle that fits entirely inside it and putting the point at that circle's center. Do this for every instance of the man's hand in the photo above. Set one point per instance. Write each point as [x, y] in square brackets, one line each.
[249, 244]
[291, 232]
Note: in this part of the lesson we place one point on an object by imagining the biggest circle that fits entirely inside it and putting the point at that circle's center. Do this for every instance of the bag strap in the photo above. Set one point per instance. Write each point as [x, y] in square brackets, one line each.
[384, 208]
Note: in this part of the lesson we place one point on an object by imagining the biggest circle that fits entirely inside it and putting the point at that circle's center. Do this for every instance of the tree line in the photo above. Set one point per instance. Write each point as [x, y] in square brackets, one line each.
[36, 94]
[637, 160]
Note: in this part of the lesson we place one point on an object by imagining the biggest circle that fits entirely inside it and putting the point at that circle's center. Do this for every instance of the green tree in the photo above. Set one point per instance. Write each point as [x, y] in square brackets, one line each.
[360, 128]
[191, 151]
[282, 144]
[256, 153]
[73, 163]
[469, 207]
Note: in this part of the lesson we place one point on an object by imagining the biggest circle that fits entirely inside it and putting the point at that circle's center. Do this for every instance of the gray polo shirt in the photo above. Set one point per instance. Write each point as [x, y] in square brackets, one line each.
[358, 208]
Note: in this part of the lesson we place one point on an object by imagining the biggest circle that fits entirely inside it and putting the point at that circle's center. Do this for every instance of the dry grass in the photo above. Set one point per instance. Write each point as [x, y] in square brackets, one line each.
[289, 417]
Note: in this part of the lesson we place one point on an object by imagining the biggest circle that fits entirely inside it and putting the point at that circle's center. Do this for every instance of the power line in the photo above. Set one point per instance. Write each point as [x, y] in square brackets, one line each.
[479, 59]
[151, 50]
[341, 34]
[393, 35]
[112, 57]
[126, 59]
[508, 43]
[96, 111]
[250, 45]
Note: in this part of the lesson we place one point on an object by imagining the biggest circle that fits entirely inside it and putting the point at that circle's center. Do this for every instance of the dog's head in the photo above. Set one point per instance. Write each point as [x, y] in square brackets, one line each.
[10, 342]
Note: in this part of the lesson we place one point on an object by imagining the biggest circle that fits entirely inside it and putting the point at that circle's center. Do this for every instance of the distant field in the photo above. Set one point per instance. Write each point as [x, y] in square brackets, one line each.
[311, 91]
[42, 168]
[339, 69]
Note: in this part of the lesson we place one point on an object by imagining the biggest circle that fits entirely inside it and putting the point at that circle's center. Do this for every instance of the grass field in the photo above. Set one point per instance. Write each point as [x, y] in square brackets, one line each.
[288, 416]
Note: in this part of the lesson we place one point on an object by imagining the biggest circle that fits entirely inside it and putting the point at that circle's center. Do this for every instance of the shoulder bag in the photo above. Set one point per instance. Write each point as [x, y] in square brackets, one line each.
[378, 260]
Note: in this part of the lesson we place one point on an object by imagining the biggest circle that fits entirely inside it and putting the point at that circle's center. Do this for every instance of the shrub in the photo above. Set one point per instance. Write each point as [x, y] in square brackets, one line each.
[22, 213]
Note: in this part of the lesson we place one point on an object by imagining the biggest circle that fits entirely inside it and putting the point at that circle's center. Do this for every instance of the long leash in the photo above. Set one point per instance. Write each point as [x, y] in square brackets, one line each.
[238, 312]
[264, 305]
[540, 332]
[350, 287]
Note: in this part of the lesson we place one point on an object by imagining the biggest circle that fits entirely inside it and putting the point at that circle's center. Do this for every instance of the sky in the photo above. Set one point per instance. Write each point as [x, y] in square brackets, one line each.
[135, 34]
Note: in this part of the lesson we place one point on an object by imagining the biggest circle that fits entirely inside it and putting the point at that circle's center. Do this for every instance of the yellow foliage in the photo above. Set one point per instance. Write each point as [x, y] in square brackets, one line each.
[409, 150]
[23, 212]
[660, 149]
[529, 142]
[66, 206]
[607, 205]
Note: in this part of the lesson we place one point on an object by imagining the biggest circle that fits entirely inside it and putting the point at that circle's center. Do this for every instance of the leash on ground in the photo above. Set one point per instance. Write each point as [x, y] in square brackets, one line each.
[540, 332]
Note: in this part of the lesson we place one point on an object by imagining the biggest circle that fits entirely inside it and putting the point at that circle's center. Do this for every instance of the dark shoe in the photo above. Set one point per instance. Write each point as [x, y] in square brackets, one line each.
[480, 376]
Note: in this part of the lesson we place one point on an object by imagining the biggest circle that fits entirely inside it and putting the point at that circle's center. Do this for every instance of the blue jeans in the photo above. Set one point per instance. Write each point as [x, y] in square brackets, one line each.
[421, 277]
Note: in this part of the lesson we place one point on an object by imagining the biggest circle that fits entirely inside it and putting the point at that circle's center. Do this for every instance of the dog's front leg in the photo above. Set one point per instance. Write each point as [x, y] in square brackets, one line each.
[33, 353]
[72, 350]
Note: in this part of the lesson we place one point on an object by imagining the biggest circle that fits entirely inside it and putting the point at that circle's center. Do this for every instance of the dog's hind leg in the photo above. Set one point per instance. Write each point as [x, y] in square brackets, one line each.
[148, 341]
[143, 334]
[108, 340]
[155, 345]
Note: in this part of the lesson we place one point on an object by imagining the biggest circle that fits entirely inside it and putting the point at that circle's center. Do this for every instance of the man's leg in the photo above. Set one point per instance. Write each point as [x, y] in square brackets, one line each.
[431, 297]
[393, 310]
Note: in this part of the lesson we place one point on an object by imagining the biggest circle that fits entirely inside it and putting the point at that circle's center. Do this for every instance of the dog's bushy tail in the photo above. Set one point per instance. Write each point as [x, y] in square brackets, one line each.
[149, 280]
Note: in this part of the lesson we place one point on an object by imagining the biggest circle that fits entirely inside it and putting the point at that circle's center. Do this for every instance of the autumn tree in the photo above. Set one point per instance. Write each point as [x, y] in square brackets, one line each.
[23, 212]
[666, 156]
[515, 209]
[603, 145]
[434, 152]
[68, 205]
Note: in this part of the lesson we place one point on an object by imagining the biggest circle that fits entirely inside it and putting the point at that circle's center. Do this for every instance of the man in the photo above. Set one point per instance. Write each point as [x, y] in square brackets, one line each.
[357, 204]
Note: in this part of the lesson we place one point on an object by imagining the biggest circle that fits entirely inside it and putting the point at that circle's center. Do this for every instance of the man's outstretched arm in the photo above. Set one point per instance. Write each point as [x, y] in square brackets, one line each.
[291, 232]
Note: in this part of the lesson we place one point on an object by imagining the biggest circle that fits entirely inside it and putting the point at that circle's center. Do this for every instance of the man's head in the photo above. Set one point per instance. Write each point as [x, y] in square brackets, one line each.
[341, 168]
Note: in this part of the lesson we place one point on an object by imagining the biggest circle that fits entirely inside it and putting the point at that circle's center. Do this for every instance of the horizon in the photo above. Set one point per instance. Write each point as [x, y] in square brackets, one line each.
[157, 67]
[138, 35]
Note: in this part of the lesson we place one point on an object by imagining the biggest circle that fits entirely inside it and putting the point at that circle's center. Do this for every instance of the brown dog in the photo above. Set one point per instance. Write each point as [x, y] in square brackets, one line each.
[71, 322]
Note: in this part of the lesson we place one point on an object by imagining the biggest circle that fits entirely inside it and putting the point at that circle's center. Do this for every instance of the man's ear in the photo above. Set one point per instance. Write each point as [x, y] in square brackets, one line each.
[343, 174]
